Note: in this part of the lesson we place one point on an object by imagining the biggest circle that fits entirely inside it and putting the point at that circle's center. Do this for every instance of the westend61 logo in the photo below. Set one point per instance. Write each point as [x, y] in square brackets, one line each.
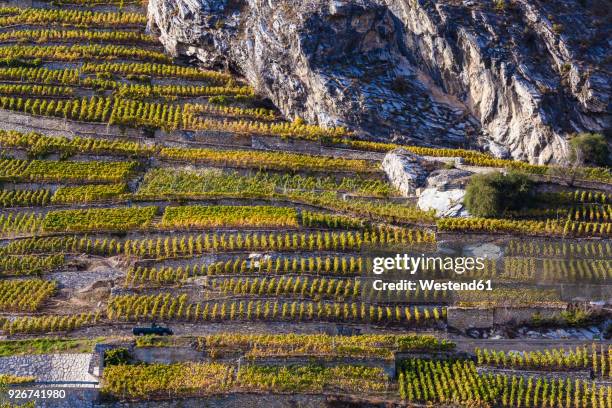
[438, 266]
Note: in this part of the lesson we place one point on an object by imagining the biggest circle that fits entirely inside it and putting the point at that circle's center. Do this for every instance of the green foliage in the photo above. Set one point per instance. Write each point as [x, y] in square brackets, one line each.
[114, 219]
[492, 194]
[46, 345]
[284, 345]
[25, 295]
[65, 171]
[229, 216]
[88, 193]
[592, 148]
[458, 383]
[29, 264]
[116, 356]
[200, 379]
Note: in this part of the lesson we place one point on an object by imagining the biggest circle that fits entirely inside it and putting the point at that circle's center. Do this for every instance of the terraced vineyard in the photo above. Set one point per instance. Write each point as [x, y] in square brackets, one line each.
[138, 188]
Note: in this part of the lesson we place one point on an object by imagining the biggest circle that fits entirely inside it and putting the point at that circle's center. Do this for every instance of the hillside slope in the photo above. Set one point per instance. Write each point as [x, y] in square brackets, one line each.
[514, 77]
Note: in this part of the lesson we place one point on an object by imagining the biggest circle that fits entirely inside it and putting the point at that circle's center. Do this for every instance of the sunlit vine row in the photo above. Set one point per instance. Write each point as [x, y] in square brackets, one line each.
[49, 323]
[29, 264]
[24, 198]
[190, 245]
[77, 52]
[24, 295]
[598, 359]
[170, 307]
[79, 18]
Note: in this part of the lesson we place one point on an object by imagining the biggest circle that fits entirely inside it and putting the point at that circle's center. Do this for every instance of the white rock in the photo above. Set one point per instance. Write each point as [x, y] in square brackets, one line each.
[446, 203]
[405, 171]
[485, 250]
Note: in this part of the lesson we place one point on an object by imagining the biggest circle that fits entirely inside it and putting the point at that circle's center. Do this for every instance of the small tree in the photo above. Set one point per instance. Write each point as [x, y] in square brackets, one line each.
[492, 194]
[590, 149]
[118, 356]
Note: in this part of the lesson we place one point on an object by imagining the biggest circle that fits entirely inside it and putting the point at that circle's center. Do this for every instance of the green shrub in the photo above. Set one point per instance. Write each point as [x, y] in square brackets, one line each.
[118, 356]
[590, 148]
[491, 195]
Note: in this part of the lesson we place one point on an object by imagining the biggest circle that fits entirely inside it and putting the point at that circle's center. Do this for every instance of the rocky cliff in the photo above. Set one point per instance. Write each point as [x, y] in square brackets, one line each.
[515, 77]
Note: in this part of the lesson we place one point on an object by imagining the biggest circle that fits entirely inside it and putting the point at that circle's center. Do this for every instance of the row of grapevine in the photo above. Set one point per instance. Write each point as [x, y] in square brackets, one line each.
[64, 171]
[548, 249]
[150, 381]
[72, 76]
[169, 307]
[575, 197]
[458, 383]
[587, 212]
[77, 53]
[37, 143]
[557, 270]
[196, 244]
[321, 288]
[133, 113]
[383, 211]
[321, 220]
[187, 217]
[24, 295]
[79, 18]
[36, 90]
[599, 359]
[232, 111]
[88, 193]
[48, 323]
[158, 70]
[475, 158]
[229, 216]
[182, 183]
[291, 344]
[115, 37]
[41, 144]
[266, 160]
[548, 227]
[68, 76]
[12, 168]
[29, 264]
[9, 379]
[319, 265]
[314, 379]
[94, 219]
[173, 92]
[118, 3]
[20, 223]
[138, 382]
[24, 198]
[302, 287]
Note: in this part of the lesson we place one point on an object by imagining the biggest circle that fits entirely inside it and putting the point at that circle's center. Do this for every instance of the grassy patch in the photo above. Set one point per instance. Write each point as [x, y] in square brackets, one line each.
[46, 346]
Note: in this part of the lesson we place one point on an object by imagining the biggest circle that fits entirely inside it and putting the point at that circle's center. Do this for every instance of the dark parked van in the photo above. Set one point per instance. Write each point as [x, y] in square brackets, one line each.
[154, 330]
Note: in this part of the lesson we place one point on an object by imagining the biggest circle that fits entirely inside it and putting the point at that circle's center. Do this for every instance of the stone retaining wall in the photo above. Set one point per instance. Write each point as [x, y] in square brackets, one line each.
[49, 367]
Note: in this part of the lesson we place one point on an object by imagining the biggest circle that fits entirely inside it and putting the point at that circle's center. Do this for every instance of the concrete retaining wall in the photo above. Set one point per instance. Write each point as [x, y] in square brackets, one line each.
[166, 355]
[462, 318]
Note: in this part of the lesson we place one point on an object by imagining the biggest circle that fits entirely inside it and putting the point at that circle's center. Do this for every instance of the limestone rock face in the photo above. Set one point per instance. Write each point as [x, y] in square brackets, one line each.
[444, 193]
[405, 171]
[507, 78]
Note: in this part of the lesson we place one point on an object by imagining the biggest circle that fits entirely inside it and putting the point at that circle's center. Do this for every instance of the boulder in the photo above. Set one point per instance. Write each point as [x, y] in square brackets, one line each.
[405, 171]
[444, 193]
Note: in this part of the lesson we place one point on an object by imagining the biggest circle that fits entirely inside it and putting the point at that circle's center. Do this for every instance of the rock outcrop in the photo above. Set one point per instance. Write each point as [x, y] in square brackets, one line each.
[444, 193]
[405, 171]
[501, 75]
